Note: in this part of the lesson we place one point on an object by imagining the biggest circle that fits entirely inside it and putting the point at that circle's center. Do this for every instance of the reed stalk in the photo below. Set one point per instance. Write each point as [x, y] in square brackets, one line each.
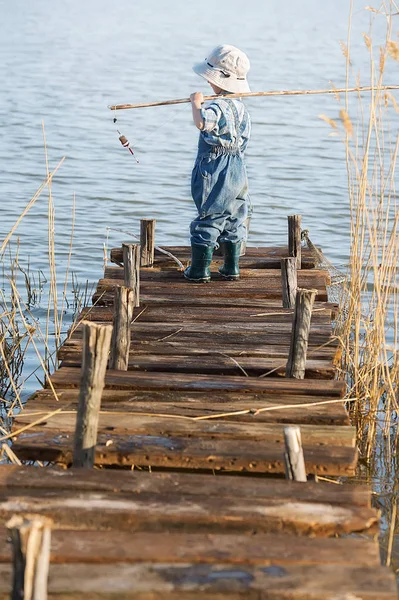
[367, 326]
[21, 332]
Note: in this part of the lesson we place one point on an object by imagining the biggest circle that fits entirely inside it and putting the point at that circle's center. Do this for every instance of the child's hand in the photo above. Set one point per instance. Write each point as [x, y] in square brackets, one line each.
[197, 99]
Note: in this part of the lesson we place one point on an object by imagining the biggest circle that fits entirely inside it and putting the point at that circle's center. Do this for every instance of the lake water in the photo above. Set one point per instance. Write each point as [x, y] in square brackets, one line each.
[63, 62]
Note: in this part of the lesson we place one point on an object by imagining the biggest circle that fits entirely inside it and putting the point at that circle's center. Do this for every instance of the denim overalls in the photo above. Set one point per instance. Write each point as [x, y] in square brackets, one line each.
[219, 185]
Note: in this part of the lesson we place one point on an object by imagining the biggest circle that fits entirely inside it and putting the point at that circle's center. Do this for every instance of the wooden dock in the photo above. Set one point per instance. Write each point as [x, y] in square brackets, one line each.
[194, 503]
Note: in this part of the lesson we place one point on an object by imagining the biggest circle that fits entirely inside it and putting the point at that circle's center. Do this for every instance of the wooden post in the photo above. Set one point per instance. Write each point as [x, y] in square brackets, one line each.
[289, 281]
[131, 266]
[123, 315]
[294, 238]
[147, 242]
[300, 333]
[96, 343]
[31, 539]
[293, 456]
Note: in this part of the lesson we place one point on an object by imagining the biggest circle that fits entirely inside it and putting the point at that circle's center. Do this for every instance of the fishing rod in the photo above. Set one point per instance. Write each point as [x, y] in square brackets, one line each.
[255, 94]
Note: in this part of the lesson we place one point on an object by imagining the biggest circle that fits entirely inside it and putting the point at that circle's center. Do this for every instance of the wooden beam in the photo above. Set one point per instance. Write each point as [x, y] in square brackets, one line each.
[293, 457]
[30, 538]
[147, 242]
[289, 281]
[123, 315]
[300, 333]
[97, 339]
[131, 266]
[294, 238]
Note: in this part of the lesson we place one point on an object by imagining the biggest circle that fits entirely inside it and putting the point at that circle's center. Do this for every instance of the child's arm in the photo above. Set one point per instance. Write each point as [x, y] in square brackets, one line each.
[197, 99]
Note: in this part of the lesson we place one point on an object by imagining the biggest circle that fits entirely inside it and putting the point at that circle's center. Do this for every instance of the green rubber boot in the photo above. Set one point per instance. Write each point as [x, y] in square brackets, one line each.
[201, 258]
[231, 253]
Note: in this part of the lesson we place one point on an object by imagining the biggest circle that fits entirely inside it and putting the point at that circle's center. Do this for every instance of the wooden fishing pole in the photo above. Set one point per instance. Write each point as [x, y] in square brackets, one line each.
[254, 94]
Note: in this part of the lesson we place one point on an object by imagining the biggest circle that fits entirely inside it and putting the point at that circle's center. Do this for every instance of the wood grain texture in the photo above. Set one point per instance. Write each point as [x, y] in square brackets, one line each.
[200, 513]
[131, 270]
[73, 347]
[294, 238]
[101, 547]
[173, 452]
[262, 257]
[211, 364]
[147, 242]
[296, 365]
[122, 319]
[96, 344]
[123, 423]
[269, 312]
[166, 581]
[69, 377]
[289, 281]
[13, 477]
[279, 408]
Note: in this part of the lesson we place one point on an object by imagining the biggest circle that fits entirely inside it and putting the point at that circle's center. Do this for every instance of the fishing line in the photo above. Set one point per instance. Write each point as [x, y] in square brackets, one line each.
[148, 138]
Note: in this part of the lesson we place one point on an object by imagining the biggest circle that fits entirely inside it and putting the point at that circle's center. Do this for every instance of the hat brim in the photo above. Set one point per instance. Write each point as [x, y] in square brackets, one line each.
[230, 84]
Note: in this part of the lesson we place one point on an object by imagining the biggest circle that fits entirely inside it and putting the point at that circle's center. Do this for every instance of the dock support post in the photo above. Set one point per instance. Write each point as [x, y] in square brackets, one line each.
[123, 315]
[300, 333]
[31, 539]
[131, 266]
[96, 343]
[294, 238]
[289, 281]
[293, 457]
[147, 242]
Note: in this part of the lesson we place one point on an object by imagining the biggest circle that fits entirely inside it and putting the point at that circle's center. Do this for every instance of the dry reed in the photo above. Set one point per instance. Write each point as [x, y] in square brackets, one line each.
[368, 322]
[21, 333]
[367, 326]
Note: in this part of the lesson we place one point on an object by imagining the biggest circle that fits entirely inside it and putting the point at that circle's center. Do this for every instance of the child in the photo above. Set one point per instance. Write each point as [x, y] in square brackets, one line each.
[219, 184]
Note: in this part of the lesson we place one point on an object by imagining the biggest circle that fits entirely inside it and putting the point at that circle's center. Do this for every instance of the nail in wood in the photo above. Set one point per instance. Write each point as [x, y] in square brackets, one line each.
[293, 458]
[300, 333]
[123, 315]
[31, 540]
[147, 242]
[96, 343]
[289, 281]
[131, 266]
[294, 238]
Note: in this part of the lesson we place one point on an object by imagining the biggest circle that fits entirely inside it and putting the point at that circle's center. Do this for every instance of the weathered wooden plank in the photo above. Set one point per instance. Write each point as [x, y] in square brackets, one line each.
[198, 334]
[271, 276]
[167, 328]
[147, 581]
[259, 284]
[256, 277]
[14, 478]
[67, 377]
[260, 251]
[270, 253]
[193, 301]
[257, 298]
[273, 408]
[216, 365]
[122, 423]
[72, 347]
[148, 313]
[163, 451]
[264, 549]
[200, 513]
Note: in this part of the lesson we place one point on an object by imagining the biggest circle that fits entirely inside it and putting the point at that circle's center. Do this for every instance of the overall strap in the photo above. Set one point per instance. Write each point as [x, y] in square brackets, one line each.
[236, 121]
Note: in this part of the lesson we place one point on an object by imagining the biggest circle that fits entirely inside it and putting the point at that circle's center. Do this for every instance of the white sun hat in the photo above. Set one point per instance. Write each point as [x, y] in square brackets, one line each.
[226, 67]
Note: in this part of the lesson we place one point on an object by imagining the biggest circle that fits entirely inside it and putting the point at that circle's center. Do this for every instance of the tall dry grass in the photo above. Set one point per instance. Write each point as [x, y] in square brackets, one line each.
[368, 323]
[22, 334]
